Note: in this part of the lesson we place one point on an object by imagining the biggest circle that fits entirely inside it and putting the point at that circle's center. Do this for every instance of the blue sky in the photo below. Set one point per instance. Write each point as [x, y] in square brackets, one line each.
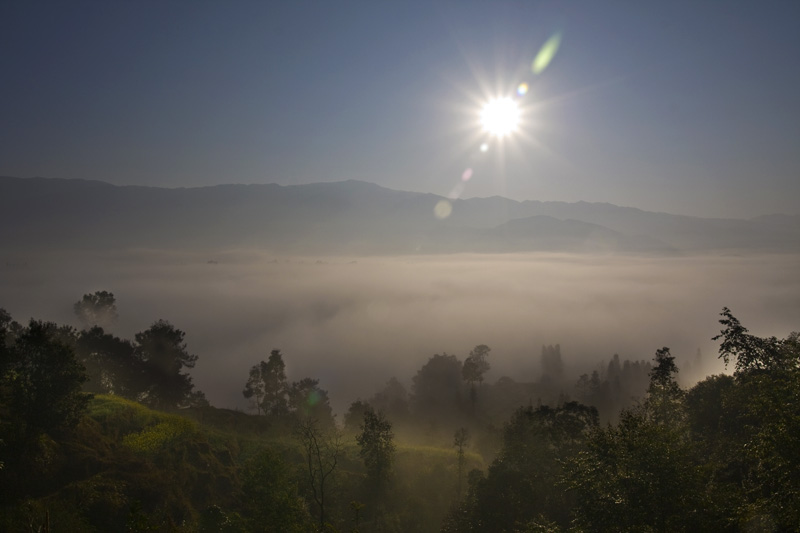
[684, 107]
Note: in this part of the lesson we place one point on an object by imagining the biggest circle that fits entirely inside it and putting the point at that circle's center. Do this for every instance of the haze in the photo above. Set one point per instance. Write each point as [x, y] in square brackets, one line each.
[399, 266]
[355, 322]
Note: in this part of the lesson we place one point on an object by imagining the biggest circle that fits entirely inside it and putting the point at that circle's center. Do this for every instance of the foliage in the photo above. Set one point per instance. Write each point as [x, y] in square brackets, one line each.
[267, 387]
[614, 386]
[552, 365]
[96, 309]
[460, 441]
[41, 384]
[664, 396]
[521, 483]
[766, 397]
[308, 401]
[438, 391]
[271, 500]
[392, 400]
[163, 352]
[377, 449]
[94, 478]
[637, 476]
[721, 456]
[323, 450]
[755, 353]
[354, 417]
[476, 365]
[111, 364]
[641, 474]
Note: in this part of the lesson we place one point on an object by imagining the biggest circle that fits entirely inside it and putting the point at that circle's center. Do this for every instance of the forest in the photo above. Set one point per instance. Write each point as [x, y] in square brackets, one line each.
[101, 433]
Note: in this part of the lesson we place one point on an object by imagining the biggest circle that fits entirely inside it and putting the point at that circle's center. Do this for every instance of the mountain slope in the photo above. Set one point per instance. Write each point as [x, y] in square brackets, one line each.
[351, 217]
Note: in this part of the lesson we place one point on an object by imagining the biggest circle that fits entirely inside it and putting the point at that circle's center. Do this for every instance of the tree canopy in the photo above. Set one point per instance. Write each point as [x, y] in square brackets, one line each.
[96, 309]
[377, 448]
[267, 387]
[163, 352]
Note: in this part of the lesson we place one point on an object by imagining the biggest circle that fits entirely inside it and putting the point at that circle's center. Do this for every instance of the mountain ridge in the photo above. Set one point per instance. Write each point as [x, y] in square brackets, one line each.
[354, 217]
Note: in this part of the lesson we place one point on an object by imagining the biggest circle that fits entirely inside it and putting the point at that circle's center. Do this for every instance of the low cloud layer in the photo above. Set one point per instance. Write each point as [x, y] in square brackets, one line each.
[355, 322]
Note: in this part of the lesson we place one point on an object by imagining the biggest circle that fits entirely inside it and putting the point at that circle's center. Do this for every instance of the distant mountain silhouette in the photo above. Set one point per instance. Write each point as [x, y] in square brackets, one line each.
[353, 217]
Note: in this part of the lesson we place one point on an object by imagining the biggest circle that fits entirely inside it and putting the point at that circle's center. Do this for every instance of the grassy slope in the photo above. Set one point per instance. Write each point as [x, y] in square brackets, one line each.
[128, 467]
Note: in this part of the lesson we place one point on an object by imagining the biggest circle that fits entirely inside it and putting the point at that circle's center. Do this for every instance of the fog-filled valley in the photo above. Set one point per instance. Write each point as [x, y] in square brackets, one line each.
[355, 322]
[399, 267]
[243, 390]
[344, 357]
[357, 283]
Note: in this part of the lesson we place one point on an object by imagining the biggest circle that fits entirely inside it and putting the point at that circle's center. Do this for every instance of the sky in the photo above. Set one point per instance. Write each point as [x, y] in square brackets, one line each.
[682, 107]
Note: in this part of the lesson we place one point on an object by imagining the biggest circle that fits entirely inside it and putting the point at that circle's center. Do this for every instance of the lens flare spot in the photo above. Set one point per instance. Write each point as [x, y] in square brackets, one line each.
[484, 147]
[546, 54]
[443, 209]
[457, 190]
[466, 175]
[500, 117]
[313, 398]
[522, 90]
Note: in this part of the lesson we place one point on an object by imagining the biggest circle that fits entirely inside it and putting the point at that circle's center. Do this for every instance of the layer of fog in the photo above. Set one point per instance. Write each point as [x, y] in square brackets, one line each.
[355, 322]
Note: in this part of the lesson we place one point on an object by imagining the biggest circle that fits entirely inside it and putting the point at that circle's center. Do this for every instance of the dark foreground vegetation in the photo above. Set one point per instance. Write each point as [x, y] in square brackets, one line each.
[106, 434]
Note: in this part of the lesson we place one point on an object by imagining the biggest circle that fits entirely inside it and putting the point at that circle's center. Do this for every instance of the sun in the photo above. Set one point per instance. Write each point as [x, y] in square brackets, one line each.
[500, 117]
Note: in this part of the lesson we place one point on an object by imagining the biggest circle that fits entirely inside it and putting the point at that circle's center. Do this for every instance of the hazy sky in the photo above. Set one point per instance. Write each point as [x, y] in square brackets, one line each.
[685, 107]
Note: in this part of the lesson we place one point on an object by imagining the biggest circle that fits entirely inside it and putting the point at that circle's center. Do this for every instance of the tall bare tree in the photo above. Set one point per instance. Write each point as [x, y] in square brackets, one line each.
[323, 450]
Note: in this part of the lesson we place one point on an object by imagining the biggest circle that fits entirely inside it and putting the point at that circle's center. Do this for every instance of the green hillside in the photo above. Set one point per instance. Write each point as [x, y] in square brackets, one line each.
[457, 455]
[130, 468]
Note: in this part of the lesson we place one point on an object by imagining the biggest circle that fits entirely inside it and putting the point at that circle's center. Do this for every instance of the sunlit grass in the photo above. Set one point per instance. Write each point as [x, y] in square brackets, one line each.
[158, 437]
[141, 429]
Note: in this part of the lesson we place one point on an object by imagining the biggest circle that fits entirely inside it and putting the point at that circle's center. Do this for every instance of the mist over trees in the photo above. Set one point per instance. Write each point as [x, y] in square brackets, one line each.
[623, 448]
[267, 387]
[97, 309]
[376, 443]
[163, 354]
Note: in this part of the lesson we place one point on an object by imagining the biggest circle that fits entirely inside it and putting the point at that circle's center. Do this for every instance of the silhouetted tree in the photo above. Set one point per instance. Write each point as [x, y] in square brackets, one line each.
[552, 365]
[96, 309]
[475, 366]
[354, 416]
[254, 388]
[755, 353]
[664, 395]
[40, 394]
[267, 386]
[460, 441]
[42, 382]
[162, 350]
[392, 401]
[438, 391]
[615, 386]
[112, 366]
[5, 323]
[308, 400]
[765, 401]
[9, 330]
[376, 441]
[323, 449]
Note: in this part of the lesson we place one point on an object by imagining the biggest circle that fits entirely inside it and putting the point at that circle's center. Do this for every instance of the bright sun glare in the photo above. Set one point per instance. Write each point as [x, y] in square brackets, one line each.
[500, 117]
